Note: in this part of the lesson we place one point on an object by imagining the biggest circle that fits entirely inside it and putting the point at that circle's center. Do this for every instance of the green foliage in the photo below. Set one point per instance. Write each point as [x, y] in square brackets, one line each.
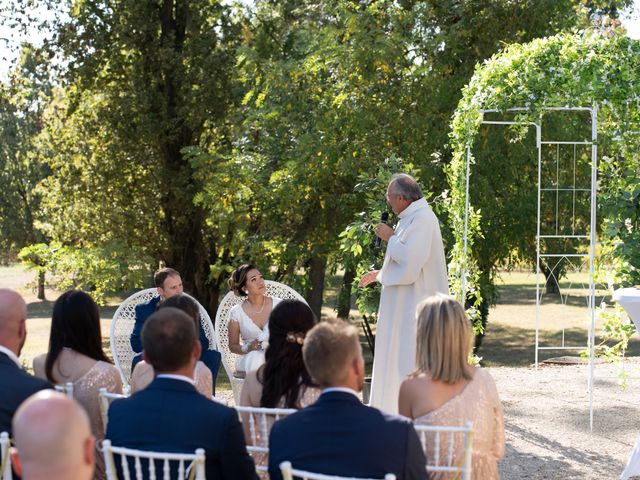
[584, 69]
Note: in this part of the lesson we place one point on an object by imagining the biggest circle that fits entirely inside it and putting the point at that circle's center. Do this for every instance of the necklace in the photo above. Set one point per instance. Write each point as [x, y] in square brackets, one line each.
[264, 300]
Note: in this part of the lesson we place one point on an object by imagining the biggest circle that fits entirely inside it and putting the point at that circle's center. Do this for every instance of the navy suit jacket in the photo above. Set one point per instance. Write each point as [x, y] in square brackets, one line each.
[171, 416]
[338, 435]
[211, 358]
[16, 386]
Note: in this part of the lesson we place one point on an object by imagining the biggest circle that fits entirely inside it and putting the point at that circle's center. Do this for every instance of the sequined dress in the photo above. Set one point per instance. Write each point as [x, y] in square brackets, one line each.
[480, 404]
[86, 391]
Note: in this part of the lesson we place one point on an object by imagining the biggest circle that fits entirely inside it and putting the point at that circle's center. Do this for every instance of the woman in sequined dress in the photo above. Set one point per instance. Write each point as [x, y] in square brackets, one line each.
[446, 391]
[75, 355]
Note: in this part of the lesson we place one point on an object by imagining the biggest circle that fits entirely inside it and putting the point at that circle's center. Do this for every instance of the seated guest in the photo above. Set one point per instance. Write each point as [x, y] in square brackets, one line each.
[338, 435]
[446, 390]
[75, 355]
[143, 372]
[248, 321]
[15, 384]
[170, 415]
[52, 439]
[169, 283]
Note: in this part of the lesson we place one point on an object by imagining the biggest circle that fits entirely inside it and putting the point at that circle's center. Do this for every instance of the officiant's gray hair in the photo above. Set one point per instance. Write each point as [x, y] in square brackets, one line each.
[406, 186]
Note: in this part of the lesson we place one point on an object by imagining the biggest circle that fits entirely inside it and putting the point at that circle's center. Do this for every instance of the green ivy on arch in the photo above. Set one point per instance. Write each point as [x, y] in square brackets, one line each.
[576, 70]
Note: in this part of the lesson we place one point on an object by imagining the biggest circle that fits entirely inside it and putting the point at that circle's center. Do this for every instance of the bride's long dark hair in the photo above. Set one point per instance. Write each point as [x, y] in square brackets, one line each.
[284, 375]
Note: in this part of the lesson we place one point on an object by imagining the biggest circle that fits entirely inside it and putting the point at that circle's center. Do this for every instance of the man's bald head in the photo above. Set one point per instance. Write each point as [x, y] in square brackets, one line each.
[52, 438]
[13, 315]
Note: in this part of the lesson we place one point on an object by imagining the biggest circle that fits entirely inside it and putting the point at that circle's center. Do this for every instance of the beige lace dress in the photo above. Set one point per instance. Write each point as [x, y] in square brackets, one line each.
[86, 390]
[480, 404]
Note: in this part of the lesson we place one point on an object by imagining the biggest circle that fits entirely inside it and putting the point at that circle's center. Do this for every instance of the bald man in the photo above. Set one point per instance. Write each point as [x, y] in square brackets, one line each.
[15, 384]
[52, 439]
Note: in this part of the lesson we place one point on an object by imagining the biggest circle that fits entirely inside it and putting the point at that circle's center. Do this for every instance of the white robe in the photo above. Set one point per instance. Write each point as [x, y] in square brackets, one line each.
[414, 268]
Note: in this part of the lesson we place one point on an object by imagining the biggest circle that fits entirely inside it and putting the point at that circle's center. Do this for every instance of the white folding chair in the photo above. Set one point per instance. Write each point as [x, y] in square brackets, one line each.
[67, 389]
[187, 466]
[230, 300]
[5, 457]
[104, 399]
[447, 448]
[288, 473]
[257, 423]
[122, 325]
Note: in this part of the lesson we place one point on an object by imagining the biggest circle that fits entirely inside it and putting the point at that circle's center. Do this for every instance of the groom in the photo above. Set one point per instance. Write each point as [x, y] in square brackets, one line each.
[414, 268]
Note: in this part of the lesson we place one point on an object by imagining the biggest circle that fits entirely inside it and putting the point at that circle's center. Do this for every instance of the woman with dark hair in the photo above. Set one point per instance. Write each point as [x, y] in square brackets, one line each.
[248, 321]
[75, 355]
[143, 372]
[283, 380]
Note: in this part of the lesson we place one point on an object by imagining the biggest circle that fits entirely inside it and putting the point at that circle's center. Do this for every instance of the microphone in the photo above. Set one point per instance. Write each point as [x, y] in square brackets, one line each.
[383, 219]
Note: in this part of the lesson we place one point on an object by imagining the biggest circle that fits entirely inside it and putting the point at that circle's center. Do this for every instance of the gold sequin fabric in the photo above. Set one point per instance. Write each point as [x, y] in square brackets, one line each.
[480, 404]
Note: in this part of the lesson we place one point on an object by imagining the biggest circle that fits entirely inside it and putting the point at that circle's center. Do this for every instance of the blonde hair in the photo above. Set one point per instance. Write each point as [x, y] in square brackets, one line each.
[328, 349]
[444, 339]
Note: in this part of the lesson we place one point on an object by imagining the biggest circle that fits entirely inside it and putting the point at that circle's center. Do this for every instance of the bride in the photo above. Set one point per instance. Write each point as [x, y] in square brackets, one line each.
[248, 321]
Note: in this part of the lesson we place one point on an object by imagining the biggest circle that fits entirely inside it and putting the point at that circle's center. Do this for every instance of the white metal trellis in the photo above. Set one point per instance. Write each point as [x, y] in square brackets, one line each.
[540, 256]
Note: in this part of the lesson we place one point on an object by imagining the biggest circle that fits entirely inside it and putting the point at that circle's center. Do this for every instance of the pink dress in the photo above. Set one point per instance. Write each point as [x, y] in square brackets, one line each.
[480, 404]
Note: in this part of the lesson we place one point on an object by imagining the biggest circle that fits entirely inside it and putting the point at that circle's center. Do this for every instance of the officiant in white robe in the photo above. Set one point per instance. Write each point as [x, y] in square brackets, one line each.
[414, 267]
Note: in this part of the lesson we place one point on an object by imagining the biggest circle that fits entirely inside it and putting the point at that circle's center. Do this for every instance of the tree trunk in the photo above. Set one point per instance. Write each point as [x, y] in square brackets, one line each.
[317, 271]
[41, 274]
[551, 280]
[344, 297]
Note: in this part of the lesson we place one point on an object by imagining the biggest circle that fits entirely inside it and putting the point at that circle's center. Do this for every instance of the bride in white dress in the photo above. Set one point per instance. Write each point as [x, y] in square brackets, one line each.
[248, 321]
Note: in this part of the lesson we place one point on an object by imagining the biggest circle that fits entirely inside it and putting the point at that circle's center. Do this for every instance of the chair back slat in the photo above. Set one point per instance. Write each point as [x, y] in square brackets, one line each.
[104, 400]
[141, 460]
[259, 421]
[447, 448]
[5, 458]
[288, 473]
[230, 300]
[67, 389]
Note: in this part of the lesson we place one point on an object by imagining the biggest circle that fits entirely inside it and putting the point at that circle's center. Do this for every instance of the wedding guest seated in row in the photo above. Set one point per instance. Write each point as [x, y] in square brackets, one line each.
[170, 415]
[338, 435]
[143, 372]
[248, 321]
[52, 439]
[445, 390]
[75, 355]
[168, 283]
[15, 384]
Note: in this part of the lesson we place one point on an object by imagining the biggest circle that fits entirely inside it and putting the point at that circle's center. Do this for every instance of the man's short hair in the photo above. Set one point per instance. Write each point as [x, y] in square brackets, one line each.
[328, 349]
[168, 337]
[161, 275]
[406, 186]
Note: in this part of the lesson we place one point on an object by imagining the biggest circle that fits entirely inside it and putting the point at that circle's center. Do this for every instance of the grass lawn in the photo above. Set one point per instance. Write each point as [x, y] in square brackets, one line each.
[509, 340]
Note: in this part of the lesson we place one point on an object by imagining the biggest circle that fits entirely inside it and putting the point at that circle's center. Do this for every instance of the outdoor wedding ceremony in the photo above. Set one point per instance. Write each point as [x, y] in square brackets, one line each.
[319, 240]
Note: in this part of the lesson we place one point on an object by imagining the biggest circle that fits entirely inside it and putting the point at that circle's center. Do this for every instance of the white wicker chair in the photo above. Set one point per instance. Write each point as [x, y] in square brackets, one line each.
[454, 442]
[230, 300]
[67, 389]
[122, 326]
[137, 458]
[288, 473]
[5, 457]
[104, 399]
[257, 423]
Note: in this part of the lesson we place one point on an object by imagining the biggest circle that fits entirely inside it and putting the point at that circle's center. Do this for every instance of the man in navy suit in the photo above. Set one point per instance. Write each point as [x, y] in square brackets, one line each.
[170, 415]
[16, 385]
[169, 283]
[338, 435]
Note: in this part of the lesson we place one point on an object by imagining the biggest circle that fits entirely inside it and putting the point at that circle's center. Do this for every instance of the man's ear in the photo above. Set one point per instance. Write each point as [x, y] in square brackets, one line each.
[22, 328]
[145, 357]
[197, 349]
[89, 453]
[15, 461]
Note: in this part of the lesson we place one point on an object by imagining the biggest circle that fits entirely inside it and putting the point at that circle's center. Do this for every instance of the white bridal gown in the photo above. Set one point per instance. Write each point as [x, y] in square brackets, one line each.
[249, 332]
